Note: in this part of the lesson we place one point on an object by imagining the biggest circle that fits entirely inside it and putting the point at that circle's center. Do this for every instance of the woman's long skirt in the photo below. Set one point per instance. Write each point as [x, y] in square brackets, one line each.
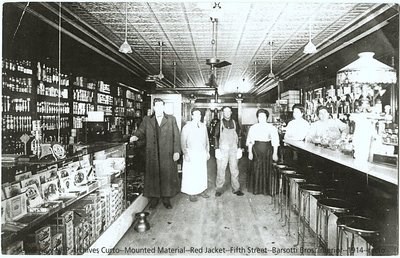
[259, 174]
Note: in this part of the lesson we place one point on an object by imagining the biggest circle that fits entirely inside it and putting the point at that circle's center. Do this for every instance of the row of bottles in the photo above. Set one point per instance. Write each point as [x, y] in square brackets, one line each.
[133, 95]
[51, 91]
[83, 95]
[15, 104]
[119, 102]
[54, 122]
[104, 99]
[51, 75]
[21, 66]
[343, 100]
[84, 82]
[104, 87]
[77, 122]
[11, 144]
[11, 123]
[82, 108]
[17, 84]
[390, 136]
[106, 109]
[120, 92]
[130, 112]
[119, 111]
[53, 107]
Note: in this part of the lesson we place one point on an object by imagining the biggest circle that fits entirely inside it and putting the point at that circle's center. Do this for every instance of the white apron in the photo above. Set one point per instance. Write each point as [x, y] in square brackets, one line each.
[194, 172]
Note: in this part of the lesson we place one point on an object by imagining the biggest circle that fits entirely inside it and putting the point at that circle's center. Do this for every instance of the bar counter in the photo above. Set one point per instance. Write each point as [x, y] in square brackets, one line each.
[386, 173]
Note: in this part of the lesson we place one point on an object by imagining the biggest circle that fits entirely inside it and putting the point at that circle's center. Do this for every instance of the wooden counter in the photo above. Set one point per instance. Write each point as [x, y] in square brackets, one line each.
[383, 172]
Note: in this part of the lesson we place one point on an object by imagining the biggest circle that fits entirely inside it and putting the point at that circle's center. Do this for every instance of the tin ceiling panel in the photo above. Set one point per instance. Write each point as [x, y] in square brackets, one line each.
[244, 33]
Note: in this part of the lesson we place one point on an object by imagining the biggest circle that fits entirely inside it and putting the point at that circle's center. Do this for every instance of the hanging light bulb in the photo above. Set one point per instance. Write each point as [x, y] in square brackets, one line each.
[125, 47]
[271, 75]
[310, 48]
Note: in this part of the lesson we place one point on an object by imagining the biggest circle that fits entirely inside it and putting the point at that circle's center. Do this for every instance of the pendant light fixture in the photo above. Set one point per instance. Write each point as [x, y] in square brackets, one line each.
[310, 48]
[271, 75]
[366, 70]
[125, 47]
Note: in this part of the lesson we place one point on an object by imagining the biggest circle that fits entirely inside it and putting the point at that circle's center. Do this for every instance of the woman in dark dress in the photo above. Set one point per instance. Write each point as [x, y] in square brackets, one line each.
[262, 142]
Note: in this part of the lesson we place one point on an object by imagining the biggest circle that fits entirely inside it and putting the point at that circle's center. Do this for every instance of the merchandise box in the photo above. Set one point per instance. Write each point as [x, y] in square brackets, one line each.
[16, 207]
[45, 207]
[33, 195]
[50, 190]
[15, 248]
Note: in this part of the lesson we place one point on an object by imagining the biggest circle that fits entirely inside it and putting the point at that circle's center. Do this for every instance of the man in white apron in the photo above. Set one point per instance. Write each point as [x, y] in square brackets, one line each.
[227, 150]
[195, 148]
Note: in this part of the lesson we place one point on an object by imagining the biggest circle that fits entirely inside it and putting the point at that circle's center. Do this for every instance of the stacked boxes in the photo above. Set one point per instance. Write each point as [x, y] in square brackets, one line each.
[292, 97]
[78, 235]
[105, 195]
[117, 198]
[40, 242]
[94, 203]
[57, 243]
[83, 228]
[16, 248]
[64, 224]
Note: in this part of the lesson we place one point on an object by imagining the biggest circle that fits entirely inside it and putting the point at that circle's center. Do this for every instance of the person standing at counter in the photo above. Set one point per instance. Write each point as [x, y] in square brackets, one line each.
[162, 152]
[262, 142]
[227, 150]
[195, 148]
[298, 128]
[326, 129]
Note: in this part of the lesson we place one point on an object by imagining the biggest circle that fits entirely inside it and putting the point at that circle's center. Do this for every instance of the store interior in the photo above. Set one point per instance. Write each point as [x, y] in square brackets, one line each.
[79, 78]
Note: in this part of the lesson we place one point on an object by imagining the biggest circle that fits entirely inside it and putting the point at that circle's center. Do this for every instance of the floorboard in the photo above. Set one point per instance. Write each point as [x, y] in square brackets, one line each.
[229, 225]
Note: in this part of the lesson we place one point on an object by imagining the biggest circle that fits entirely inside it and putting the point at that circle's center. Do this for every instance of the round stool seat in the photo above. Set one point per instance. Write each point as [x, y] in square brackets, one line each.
[280, 165]
[313, 189]
[336, 205]
[296, 177]
[358, 224]
[287, 171]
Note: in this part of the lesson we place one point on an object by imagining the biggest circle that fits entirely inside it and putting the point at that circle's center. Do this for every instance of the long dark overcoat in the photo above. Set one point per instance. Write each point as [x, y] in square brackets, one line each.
[161, 175]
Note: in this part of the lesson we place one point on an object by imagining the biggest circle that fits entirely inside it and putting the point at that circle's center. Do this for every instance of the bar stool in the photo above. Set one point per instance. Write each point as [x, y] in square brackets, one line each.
[282, 172]
[355, 225]
[292, 190]
[326, 207]
[274, 181]
[305, 193]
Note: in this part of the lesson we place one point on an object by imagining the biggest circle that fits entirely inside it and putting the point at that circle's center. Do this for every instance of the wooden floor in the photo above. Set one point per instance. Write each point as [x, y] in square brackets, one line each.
[226, 225]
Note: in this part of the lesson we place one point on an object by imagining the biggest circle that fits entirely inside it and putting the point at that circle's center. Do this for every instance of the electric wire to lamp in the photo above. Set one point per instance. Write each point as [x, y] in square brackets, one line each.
[125, 47]
[271, 75]
[310, 48]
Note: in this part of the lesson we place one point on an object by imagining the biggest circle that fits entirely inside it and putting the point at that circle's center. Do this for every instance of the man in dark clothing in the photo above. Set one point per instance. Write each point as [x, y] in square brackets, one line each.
[227, 150]
[162, 151]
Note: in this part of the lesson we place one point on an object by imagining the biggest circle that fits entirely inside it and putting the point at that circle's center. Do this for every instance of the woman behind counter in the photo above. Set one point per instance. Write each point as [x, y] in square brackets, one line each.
[296, 130]
[263, 142]
[326, 130]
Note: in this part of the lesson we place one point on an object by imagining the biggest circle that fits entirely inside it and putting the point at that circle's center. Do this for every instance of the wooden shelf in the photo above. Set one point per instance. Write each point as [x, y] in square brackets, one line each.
[81, 101]
[83, 88]
[54, 98]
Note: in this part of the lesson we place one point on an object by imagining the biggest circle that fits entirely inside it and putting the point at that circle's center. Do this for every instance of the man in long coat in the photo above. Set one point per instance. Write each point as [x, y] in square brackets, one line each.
[162, 151]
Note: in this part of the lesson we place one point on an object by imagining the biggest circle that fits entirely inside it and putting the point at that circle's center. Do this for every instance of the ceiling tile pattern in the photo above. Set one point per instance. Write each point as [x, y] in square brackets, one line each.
[244, 33]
